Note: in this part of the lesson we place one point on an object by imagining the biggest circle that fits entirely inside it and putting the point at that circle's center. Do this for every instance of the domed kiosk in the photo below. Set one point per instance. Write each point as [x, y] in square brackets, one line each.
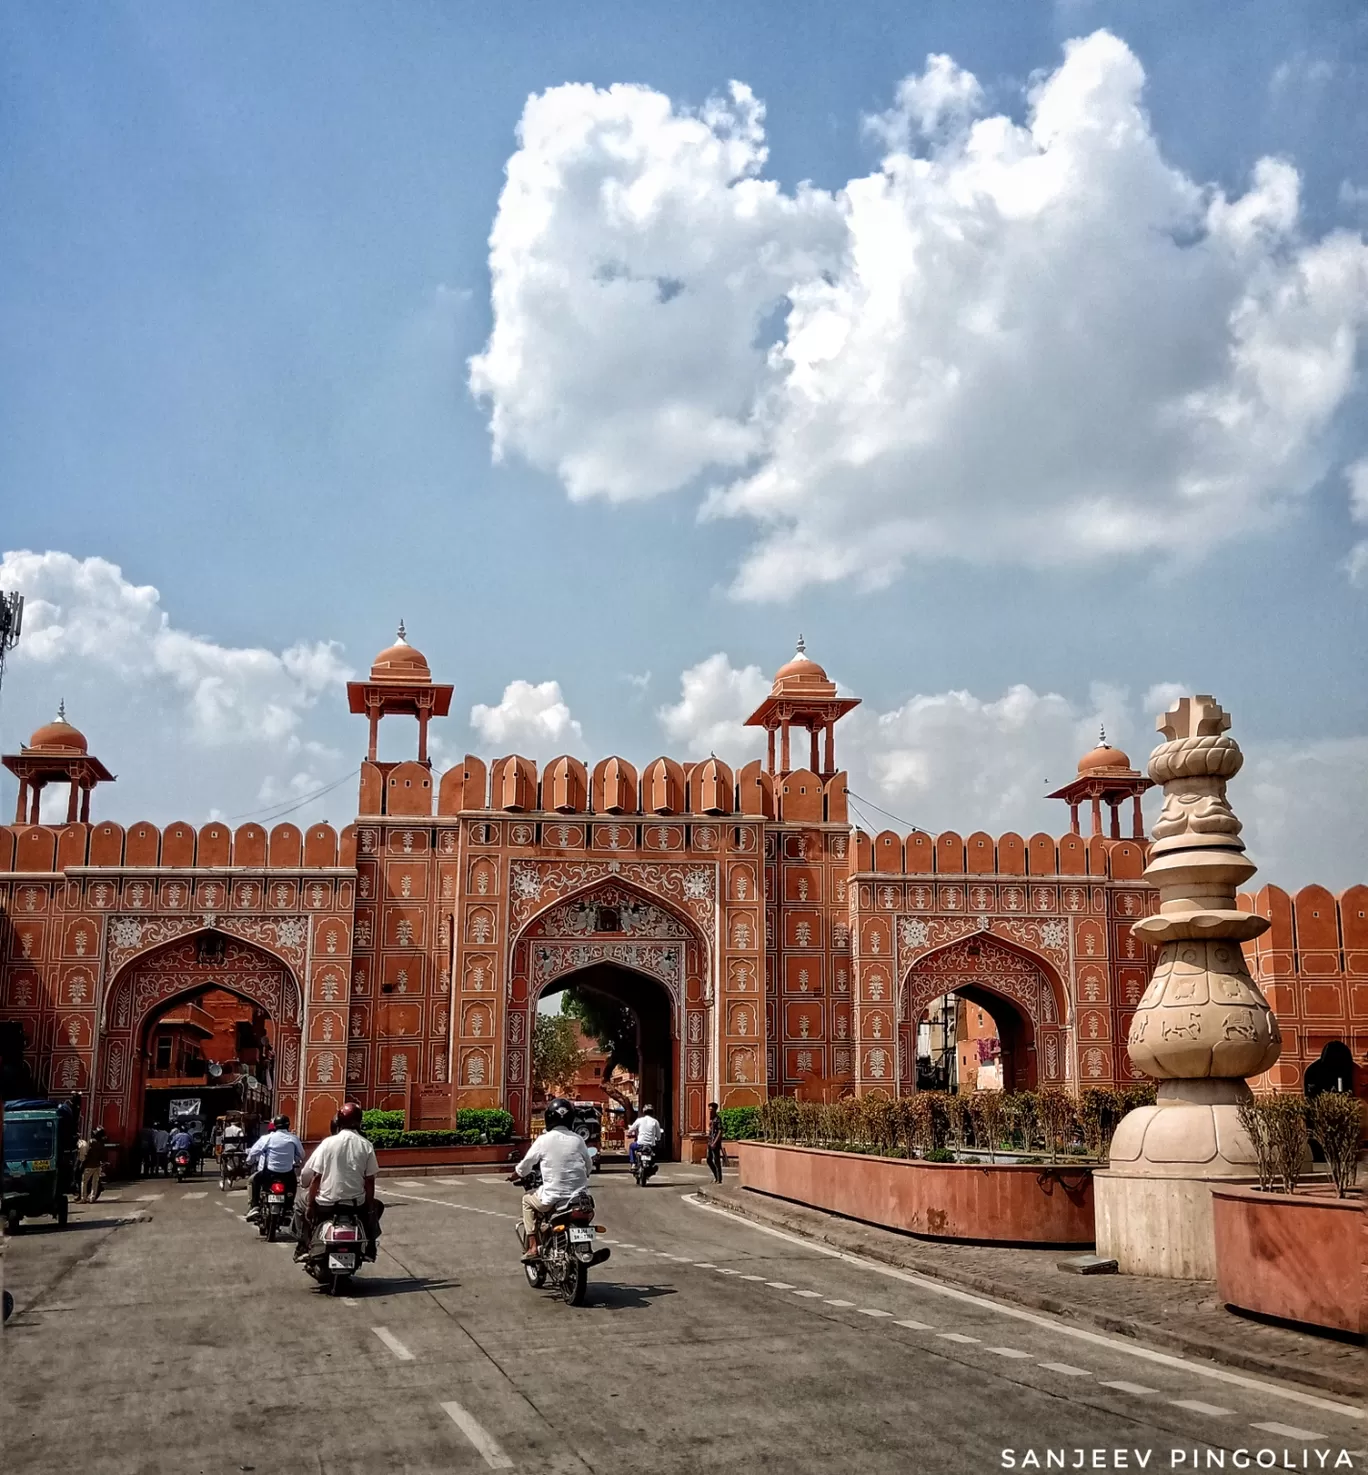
[56, 753]
[1105, 776]
[802, 696]
[400, 683]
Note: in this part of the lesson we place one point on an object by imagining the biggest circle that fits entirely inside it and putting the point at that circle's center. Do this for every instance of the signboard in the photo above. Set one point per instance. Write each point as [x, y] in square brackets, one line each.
[184, 1106]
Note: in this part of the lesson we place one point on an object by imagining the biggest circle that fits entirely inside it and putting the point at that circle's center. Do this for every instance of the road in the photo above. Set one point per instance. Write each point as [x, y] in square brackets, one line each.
[159, 1335]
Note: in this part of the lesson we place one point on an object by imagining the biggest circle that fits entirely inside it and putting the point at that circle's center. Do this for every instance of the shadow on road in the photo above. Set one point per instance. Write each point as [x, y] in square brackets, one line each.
[30, 1230]
[399, 1285]
[624, 1298]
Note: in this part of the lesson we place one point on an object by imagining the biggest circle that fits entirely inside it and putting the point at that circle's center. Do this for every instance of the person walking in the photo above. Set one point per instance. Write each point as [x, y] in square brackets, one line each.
[161, 1151]
[715, 1141]
[92, 1156]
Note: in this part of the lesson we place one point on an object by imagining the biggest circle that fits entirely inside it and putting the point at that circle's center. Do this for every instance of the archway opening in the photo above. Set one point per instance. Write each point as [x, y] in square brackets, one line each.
[203, 1053]
[973, 1039]
[626, 1021]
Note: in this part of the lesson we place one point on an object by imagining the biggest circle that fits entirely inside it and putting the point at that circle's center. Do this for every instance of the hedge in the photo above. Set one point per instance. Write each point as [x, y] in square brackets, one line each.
[474, 1125]
[740, 1123]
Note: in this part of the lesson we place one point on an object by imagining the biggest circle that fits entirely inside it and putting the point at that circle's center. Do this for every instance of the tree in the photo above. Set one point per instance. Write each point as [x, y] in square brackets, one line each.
[611, 1024]
[556, 1053]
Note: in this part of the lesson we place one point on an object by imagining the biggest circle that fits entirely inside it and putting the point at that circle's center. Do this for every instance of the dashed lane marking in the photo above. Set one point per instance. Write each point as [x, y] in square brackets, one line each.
[348, 1301]
[955, 1337]
[702, 1264]
[916, 1326]
[1286, 1431]
[393, 1343]
[761, 1277]
[408, 1183]
[478, 1435]
[204, 1193]
[722, 1270]
[833, 1302]
[1017, 1313]
[779, 1285]
[148, 1198]
[1138, 1389]
[446, 1203]
[1067, 1369]
[1212, 1410]
[1008, 1351]
[873, 1311]
[806, 1295]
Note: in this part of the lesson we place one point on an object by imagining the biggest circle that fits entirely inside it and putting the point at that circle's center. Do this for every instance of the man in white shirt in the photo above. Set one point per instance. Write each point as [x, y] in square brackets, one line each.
[563, 1157]
[646, 1131]
[342, 1170]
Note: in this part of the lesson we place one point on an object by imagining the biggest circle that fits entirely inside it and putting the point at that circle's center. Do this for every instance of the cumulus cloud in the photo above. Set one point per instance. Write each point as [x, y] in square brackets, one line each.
[715, 699]
[529, 719]
[1037, 342]
[957, 760]
[84, 615]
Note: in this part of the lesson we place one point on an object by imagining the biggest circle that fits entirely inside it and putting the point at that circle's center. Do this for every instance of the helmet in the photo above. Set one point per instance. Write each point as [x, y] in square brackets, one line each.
[648, 1110]
[349, 1117]
[282, 1123]
[558, 1112]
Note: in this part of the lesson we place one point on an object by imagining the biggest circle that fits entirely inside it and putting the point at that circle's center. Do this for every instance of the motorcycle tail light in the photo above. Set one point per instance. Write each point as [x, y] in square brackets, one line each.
[277, 1188]
[342, 1231]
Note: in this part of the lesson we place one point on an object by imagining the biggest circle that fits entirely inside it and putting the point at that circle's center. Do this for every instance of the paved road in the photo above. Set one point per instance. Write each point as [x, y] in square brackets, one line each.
[160, 1335]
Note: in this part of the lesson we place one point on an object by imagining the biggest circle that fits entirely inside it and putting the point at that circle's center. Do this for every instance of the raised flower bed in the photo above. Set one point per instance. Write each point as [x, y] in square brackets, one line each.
[1003, 1203]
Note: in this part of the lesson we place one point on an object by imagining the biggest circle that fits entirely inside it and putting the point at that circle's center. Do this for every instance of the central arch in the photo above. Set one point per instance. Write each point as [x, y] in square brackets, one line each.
[1016, 988]
[623, 941]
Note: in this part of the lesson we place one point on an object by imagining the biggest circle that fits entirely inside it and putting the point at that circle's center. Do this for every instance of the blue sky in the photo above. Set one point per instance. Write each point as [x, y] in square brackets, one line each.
[244, 260]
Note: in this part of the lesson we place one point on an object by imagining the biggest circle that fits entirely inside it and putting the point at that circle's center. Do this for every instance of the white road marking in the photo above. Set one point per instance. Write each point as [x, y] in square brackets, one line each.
[485, 1178]
[1138, 1389]
[806, 1295]
[1286, 1431]
[348, 1301]
[916, 1326]
[446, 1203]
[1067, 1368]
[450, 1182]
[1008, 1351]
[393, 1343]
[761, 1277]
[1082, 1334]
[778, 1285]
[203, 1194]
[111, 1198]
[1198, 1407]
[148, 1198]
[722, 1270]
[479, 1436]
[831, 1302]
[873, 1311]
[955, 1337]
[406, 1183]
[699, 1264]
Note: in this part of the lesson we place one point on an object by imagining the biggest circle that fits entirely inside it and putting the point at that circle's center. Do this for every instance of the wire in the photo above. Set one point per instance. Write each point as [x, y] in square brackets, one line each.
[288, 806]
[916, 829]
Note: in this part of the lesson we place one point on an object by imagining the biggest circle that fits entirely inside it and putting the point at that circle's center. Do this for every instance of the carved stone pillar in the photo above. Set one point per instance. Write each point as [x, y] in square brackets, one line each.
[1202, 1026]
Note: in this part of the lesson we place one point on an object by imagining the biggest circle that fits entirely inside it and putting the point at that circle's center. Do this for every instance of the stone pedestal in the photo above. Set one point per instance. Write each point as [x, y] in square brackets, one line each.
[1157, 1226]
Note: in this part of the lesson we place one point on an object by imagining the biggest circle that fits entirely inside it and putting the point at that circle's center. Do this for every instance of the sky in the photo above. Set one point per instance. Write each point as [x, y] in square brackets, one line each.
[1011, 353]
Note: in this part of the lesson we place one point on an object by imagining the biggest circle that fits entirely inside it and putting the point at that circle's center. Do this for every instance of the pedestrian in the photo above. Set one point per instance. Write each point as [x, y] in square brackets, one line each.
[715, 1141]
[162, 1141]
[91, 1158]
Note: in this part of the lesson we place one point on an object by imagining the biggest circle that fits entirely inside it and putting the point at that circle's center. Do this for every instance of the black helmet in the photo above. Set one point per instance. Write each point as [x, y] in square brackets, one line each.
[349, 1118]
[282, 1123]
[558, 1112]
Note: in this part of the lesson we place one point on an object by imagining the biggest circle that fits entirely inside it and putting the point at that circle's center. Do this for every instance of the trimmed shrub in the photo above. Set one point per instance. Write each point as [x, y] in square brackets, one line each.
[1277, 1128]
[381, 1121]
[1335, 1120]
[741, 1123]
[474, 1125]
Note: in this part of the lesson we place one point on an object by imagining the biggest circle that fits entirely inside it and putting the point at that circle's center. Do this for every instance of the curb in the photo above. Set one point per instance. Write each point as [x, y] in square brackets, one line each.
[758, 1209]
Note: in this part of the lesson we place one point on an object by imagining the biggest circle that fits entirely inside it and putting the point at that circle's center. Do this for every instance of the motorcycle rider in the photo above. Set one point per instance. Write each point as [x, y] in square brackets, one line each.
[182, 1141]
[342, 1169]
[563, 1157]
[277, 1154]
[646, 1131]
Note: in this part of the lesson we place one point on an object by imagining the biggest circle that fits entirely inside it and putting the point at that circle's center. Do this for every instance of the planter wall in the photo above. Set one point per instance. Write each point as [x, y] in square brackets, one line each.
[449, 1158]
[1296, 1256]
[1006, 1204]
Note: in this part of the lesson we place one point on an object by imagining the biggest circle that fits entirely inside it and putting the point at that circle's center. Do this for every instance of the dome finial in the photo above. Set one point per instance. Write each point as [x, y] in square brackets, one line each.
[61, 710]
[802, 644]
[1102, 735]
[403, 634]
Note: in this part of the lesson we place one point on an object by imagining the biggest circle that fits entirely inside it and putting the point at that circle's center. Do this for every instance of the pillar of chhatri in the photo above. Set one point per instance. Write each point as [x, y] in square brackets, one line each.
[1202, 1026]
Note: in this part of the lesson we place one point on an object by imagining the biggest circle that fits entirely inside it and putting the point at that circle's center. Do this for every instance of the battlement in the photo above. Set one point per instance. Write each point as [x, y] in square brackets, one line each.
[1312, 930]
[981, 854]
[565, 785]
[44, 849]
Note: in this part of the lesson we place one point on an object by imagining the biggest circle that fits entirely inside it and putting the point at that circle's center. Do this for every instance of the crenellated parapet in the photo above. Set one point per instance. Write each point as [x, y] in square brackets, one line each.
[981, 854]
[51, 849]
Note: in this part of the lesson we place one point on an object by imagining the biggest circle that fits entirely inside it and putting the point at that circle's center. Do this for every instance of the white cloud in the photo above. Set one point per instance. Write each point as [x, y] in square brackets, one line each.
[956, 761]
[1034, 342]
[1357, 562]
[532, 720]
[715, 699]
[82, 615]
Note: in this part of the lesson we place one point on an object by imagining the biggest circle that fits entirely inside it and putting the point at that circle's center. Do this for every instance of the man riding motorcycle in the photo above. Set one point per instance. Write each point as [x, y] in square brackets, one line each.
[646, 1131]
[277, 1154]
[565, 1162]
[342, 1170]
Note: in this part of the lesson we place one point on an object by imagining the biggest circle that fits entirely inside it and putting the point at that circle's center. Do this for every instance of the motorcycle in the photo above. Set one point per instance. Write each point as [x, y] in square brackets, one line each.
[277, 1204]
[565, 1247]
[644, 1166]
[232, 1166]
[180, 1162]
[336, 1252]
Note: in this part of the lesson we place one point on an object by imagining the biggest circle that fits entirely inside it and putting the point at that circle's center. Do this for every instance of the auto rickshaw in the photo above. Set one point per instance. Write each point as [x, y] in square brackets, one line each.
[39, 1161]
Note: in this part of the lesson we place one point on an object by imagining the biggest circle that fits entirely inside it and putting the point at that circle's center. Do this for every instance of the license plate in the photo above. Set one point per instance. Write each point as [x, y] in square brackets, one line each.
[581, 1236]
[341, 1262]
[42, 1165]
[275, 1198]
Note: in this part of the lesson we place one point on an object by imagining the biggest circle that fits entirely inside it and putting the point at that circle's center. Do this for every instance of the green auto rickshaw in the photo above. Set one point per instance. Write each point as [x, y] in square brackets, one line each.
[39, 1161]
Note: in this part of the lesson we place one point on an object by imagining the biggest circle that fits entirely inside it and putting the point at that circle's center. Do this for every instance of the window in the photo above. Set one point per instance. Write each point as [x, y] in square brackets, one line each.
[163, 1052]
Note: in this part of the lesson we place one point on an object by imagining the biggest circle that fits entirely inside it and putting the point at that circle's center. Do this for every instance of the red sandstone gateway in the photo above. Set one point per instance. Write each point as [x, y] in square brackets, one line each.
[764, 944]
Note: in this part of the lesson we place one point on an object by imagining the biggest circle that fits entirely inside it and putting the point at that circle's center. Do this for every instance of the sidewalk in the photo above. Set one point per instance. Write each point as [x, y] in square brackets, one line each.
[1183, 1316]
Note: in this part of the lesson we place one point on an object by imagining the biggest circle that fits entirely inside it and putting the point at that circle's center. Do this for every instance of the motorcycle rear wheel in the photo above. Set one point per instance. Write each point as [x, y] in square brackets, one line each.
[536, 1276]
[271, 1230]
[575, 1284]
